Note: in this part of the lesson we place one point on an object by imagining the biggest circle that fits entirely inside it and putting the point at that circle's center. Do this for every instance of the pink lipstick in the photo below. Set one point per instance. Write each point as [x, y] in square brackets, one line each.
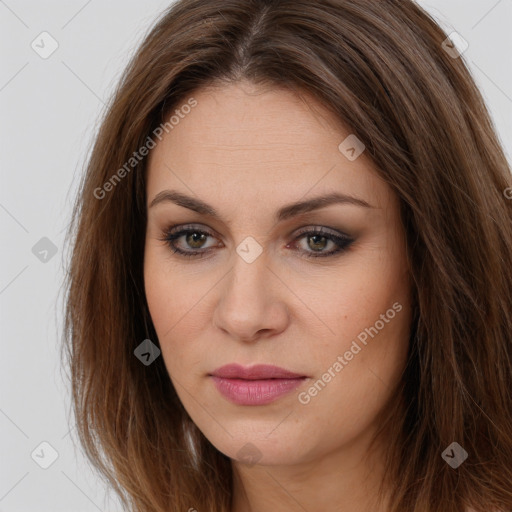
[255, 385]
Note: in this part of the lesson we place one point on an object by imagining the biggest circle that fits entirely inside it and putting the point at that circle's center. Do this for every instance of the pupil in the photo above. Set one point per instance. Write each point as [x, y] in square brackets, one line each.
[196, 237]
[316, 237]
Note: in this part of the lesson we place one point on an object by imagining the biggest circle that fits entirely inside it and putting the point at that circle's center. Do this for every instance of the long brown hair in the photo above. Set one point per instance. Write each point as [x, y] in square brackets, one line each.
[380, 67]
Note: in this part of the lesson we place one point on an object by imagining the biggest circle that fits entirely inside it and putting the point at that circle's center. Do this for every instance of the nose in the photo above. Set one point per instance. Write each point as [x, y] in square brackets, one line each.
[251, 302]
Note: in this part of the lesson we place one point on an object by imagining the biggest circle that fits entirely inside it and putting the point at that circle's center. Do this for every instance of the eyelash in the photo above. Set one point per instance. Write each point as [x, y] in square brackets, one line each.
[170, 235]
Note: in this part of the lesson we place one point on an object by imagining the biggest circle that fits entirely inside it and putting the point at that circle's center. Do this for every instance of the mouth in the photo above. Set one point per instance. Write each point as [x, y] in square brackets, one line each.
[255, 385]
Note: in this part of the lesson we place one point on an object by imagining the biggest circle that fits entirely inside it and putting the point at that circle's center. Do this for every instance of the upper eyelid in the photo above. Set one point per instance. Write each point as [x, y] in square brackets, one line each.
[313, 227]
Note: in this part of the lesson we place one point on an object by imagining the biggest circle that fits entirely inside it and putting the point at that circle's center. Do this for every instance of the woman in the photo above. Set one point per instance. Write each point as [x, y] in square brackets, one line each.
[291, 278]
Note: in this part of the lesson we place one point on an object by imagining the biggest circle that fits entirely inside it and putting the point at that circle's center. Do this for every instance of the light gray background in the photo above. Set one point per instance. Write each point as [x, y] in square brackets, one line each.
[50, 110]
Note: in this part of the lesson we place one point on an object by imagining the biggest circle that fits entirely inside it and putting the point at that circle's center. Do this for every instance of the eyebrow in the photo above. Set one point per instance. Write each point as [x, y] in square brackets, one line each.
[286, 212]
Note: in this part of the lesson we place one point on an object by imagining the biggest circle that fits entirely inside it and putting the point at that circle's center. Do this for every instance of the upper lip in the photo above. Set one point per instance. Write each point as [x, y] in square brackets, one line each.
[259, 371]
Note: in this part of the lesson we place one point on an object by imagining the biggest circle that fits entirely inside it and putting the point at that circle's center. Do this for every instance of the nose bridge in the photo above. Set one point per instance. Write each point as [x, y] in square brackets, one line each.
[248, 302]
[250, 266]
[248, 275]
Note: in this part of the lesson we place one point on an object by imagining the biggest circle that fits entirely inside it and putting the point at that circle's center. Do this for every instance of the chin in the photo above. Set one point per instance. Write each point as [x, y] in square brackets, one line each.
[263, 446]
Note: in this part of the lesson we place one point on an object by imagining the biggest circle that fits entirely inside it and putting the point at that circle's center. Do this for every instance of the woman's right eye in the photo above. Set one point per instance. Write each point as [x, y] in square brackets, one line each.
[193, 237]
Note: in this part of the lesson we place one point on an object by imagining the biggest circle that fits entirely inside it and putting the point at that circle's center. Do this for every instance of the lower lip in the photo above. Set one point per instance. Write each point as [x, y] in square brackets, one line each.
[255, 392]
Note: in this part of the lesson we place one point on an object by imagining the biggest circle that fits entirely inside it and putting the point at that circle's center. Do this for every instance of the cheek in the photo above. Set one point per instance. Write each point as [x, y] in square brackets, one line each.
[361, 299]
[369, 311]
[170, 294]
[177, 304]
[358, 370]
[167, 302]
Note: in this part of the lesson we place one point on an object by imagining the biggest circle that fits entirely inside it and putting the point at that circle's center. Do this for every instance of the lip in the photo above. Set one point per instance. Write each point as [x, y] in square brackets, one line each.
[255, 385]
[256, 372]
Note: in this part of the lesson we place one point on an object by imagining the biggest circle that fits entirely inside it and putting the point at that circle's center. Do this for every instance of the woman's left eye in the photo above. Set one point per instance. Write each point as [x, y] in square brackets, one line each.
[316, 239]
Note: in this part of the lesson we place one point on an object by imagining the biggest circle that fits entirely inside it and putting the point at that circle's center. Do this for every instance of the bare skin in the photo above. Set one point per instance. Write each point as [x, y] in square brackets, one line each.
[247, 152]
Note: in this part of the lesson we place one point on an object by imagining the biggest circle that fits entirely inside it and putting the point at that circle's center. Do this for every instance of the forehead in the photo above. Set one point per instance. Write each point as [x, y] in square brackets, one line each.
[243, 117]
[261, 142]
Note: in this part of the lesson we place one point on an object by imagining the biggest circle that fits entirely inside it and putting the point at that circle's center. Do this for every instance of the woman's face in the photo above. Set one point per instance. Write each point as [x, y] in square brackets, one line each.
[264, 288]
